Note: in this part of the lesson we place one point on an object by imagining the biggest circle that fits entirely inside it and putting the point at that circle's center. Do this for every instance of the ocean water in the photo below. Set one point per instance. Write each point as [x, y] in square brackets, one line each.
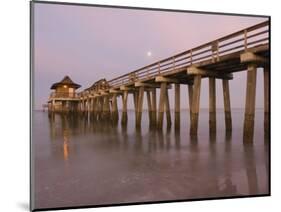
[78, 162]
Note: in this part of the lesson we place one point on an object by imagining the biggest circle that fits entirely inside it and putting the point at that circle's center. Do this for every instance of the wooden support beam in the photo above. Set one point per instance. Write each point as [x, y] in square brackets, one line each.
[115, 114]
[140, 105]
[86, 105]
[252, 58]
[186, 81]
[135, 96]
[149, 105]
[145, 84]
[249, 119]
[113, 91]
[161, 108]
[190, 96]
[125, 88]
[193, 70]
[150, 85]
[195, 105]
[92, 105]
[89, 104]
[227, 105]
[166, 79]
[177, 106]
[167, 109]
[148, 89]
[154, 108]
[124, 109]
[212, 105]
[94, 108]
[106, 108]
[104, 93]
[266, 99]
[100, 108]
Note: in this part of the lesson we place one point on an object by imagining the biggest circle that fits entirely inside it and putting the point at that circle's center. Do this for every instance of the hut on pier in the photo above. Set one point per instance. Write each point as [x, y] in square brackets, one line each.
[64, 97]
[86, 95]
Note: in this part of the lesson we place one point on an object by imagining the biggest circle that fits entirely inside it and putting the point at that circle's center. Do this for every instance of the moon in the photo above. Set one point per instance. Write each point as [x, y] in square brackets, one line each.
[149, 53]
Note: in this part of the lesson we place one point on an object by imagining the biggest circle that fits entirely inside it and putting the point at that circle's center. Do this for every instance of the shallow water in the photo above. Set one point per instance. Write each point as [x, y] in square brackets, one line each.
[77, 162]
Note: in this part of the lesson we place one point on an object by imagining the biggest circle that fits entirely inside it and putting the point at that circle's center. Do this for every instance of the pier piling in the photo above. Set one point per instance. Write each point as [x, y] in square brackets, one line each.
[212, 104]
[266, 99]
[135, 96]
[149, 106]
[190, 94]
[114, 109]
[177, 106]
[249, 120]
[167, 109]
[124, 109]
[163, 90]
[106, 108]
[227, 105]
[153, 107]
[195, 104]
[140, 106]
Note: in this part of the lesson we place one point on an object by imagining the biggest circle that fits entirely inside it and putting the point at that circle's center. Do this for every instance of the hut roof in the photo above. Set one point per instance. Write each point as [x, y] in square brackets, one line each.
[65, 81]
[101, 81]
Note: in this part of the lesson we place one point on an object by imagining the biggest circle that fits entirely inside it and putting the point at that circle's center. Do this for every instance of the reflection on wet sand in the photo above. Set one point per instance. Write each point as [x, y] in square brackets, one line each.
[65, 144]
[249, 157]
[107, 163]
[229, 185]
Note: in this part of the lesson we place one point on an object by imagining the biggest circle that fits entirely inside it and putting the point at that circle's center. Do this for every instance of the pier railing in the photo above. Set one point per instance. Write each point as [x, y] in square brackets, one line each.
[239, 41]
[63, 95]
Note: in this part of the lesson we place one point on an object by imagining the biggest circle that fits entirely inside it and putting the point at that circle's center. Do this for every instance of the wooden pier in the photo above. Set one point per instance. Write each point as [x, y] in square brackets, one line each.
[217, 61]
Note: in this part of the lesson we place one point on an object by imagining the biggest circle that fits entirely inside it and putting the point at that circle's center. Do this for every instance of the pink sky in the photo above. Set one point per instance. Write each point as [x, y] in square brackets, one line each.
[90, 43]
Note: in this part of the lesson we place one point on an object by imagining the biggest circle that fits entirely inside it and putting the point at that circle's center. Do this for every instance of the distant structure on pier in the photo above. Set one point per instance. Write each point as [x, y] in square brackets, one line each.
[64, 98]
